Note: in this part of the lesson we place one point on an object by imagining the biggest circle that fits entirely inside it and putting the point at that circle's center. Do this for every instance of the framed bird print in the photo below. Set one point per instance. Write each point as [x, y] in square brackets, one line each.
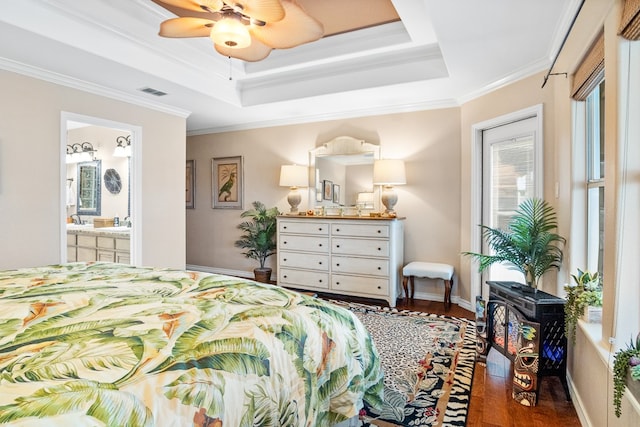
[226, 182]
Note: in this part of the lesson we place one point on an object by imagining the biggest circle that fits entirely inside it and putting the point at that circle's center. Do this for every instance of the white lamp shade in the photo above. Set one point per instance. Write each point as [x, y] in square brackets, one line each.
[294, 176]
[389, 172]
[231, 33]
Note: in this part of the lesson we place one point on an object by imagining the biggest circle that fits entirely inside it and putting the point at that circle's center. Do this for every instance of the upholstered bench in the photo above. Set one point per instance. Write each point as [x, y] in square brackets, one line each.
[430, 270]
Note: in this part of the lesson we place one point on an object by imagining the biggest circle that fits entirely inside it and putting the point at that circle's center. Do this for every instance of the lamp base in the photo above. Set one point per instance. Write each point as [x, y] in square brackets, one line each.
[294, 198]
[389, 199]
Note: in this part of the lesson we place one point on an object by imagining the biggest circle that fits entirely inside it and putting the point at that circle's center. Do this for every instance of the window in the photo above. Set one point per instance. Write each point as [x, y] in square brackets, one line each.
[594, 136]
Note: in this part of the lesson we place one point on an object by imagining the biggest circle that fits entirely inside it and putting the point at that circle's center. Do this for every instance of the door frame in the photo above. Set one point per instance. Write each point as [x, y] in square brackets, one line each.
[475, 216]
[134, 173]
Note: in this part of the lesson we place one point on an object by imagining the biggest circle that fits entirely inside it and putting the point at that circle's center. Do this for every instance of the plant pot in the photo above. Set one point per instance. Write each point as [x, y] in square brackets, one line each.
[262, 274]
[633, 386]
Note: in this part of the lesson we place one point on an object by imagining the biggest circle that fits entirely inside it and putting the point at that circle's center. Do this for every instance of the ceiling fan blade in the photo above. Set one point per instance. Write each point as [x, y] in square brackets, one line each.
[186, 27]
[295, 29]
[264, 10]
[196, 5]
[255, 52]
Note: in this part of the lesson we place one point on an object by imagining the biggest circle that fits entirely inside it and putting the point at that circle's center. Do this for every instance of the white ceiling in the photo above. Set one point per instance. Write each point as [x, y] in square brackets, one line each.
[441, 54]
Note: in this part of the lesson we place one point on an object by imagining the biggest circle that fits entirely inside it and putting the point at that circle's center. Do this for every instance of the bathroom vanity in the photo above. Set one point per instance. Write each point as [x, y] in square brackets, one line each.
[85, 243]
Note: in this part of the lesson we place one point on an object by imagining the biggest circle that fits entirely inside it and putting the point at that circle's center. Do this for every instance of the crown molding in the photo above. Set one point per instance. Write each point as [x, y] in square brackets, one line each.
[59, 79]
[344, 114]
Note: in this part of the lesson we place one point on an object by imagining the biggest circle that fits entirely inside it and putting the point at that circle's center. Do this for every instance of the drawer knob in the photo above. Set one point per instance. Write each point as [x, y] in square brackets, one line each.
[285, 276]
[337, 246]
[379, 268]
[284, 259]
[337, 283]
[337, 230]
[320, 262]
[319, 228]
[379, 287]
[320, 244]
[379, 249]
[284, 243]
[379, 231]
[337, 264]
[320, 281]
[285, 227]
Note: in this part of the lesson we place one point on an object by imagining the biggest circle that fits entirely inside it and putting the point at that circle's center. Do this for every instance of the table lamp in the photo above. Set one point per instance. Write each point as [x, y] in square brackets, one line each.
[294, 177]
[389, 172]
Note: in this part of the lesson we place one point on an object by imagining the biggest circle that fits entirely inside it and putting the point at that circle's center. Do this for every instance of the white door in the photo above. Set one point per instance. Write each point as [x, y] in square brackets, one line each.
[509, 176]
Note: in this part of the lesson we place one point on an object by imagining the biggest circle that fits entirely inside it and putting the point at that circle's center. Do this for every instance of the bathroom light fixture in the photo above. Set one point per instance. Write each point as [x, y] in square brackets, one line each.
[294, 176]
[389, 172]
[78, 152]
[123, 146]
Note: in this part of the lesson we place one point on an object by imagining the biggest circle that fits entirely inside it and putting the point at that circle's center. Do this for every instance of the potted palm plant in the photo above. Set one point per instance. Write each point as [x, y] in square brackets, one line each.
[259, 237]
[585, 293]
[529, 244]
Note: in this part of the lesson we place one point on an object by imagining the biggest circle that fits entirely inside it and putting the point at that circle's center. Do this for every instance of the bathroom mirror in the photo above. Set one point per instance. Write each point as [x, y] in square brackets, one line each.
[89, 188]
[341, 173]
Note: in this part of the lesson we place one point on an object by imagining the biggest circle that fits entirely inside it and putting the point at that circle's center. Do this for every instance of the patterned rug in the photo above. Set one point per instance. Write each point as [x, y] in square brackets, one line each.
[428, 362]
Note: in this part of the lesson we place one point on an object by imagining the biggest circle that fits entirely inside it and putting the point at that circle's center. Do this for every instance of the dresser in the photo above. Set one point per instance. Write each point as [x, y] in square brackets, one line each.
[345, 256]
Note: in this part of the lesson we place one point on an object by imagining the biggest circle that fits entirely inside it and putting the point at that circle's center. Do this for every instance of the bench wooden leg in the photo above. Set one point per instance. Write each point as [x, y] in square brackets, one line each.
[413, 286]
[405, 279]
[447, 293]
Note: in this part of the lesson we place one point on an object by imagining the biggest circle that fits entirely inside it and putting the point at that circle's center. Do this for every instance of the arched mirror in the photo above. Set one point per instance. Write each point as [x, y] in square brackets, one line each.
[341, 173]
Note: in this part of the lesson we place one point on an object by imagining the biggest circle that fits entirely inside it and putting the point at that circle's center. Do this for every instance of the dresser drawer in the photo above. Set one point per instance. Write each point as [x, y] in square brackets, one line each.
[374, 267]
[297, 227]
[359, 284]
[363, 247]
[303, 260]
[360, 230]
[303, 279]
[303, 243]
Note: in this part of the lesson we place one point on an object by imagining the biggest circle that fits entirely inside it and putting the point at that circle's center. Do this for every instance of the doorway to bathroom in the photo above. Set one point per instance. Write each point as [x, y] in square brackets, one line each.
[100, 196]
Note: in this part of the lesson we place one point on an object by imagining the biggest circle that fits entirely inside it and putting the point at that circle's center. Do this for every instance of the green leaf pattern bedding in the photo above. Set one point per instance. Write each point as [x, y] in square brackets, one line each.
[90, 344]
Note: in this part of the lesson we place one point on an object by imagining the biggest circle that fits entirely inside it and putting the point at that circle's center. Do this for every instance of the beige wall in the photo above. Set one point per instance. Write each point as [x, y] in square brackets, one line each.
[30, 193]
[428, 141]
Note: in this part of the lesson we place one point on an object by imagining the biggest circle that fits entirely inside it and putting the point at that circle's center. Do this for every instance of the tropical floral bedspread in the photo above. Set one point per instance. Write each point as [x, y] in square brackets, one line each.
[109, 344]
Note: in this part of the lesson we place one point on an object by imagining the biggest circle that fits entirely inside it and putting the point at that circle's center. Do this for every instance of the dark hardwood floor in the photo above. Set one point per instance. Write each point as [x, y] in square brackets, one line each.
[491, 403]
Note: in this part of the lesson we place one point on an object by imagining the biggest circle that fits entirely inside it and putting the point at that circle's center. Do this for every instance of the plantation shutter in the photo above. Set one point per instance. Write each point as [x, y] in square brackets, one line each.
[590, 72]
[630, 22]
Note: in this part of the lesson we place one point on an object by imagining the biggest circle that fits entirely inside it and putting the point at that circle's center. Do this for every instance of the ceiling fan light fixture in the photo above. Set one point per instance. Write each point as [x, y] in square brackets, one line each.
[231, 33]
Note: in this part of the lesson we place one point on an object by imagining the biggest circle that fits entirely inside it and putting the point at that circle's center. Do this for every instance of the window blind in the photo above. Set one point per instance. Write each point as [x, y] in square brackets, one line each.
[630, 22]
[590, 72]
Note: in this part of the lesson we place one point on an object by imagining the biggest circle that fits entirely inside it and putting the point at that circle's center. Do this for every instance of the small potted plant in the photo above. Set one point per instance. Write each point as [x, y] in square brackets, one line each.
[259, 237]
[585, 293]
[529, 244]
[626, 372]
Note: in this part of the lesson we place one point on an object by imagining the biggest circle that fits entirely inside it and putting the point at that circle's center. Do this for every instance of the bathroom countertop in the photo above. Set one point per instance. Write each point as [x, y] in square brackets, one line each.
[101, 231]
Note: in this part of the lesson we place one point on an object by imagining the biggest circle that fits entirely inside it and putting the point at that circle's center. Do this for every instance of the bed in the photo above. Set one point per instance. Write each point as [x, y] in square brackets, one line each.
[85, 344]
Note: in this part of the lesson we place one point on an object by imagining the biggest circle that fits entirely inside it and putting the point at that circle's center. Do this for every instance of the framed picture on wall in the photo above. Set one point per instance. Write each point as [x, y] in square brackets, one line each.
[336, 193]
[190, 185]
[327, 190]
[227, 182]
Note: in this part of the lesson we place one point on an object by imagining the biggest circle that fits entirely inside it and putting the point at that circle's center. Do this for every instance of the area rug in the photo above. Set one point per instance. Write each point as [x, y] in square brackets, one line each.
[428, 362]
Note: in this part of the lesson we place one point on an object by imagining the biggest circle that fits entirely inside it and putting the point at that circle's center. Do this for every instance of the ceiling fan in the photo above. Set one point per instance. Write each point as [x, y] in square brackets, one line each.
[243, 29]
